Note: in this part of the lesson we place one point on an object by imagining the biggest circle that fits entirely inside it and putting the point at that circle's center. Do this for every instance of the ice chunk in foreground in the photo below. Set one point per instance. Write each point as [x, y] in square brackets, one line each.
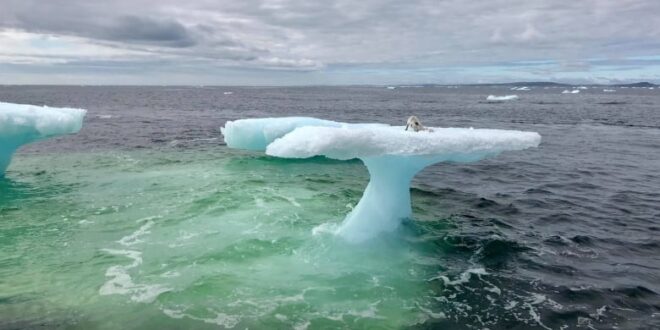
[21, 124]
[494, 98]
[392, 155]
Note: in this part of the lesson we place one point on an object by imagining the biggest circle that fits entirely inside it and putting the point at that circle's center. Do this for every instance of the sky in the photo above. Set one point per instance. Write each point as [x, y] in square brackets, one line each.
[327, 42]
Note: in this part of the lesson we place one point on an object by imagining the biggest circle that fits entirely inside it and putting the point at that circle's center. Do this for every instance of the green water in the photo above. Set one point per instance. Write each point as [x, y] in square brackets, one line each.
[210, 238]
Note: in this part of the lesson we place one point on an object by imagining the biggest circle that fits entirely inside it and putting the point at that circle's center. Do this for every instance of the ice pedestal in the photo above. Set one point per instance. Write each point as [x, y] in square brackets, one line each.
[392, 155]
[5, 157]
[21, 124]
[385, 201]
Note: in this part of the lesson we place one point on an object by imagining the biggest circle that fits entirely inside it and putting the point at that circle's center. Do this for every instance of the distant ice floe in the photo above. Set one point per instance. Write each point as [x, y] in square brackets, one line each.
[391, 87]
[575, 91]
[523, 88]
[392, 155]
[21, 124]
[609, 90]
[228, 93]
[582, 87]
[494, 98]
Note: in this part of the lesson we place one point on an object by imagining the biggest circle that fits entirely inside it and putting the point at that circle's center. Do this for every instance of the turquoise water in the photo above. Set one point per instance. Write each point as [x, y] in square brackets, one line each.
[208, 238]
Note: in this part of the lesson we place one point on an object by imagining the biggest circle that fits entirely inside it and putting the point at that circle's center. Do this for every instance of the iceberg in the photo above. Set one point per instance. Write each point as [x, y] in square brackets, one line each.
[609, 90]
[493, 98]
[575, 91]
[392, 155]
[21, 124]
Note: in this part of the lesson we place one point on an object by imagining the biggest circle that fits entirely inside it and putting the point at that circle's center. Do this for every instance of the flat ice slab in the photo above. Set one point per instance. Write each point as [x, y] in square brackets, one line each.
[21, 124]
[495, 98]
[443, 144]
[392, 155]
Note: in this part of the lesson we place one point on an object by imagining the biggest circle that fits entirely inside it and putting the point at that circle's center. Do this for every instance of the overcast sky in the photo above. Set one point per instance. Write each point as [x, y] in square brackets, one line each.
[301, 42]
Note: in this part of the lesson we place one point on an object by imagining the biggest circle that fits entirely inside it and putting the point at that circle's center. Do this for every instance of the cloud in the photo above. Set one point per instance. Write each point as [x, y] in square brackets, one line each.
[401, 37]
[95, 24]
[169, 33]
[531, 34]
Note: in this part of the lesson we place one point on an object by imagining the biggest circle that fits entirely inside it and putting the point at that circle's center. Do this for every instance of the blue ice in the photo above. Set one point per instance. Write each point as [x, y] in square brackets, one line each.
[21, 124]
[392, 155]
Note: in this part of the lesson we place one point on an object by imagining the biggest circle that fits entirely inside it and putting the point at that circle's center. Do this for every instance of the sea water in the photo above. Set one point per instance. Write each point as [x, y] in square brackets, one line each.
[145, 219]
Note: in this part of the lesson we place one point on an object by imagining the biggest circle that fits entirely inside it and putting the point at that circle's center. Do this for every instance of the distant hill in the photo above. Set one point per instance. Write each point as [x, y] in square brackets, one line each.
[639, 84]
[524, 83]
[554, 84]
[643, 84]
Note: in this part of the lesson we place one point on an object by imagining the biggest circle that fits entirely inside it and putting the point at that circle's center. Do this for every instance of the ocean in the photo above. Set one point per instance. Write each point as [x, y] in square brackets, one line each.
[145, 219]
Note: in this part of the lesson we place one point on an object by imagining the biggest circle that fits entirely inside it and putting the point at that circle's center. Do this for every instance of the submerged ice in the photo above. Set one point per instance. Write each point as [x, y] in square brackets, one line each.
[21, 124]
[392, 155]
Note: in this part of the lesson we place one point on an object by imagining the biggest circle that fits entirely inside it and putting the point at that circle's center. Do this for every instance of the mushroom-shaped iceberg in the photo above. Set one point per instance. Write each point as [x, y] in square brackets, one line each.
[392, 155]
[21, 124]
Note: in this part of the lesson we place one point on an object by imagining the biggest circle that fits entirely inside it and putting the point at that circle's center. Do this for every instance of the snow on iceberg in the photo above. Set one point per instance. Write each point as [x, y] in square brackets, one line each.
[494, 98]
[392, 155]
[21, 124]
[256, 134]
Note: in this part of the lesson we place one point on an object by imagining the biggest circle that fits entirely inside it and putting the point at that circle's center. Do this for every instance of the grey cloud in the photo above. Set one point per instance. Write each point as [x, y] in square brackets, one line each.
[95, 22]
[148, 30]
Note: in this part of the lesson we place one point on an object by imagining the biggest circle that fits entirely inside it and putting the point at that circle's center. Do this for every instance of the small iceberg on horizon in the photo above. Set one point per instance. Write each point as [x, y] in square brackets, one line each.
[609, 90]
[575, 91]
[22, 124]
[392, 155]
[494, 98]
[523, 88]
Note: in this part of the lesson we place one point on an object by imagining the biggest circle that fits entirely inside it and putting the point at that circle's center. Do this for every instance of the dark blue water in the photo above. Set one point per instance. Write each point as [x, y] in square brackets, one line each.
[574, 224]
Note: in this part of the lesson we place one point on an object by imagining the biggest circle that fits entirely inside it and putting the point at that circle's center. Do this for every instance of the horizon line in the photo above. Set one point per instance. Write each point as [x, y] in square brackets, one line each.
[540, 83]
